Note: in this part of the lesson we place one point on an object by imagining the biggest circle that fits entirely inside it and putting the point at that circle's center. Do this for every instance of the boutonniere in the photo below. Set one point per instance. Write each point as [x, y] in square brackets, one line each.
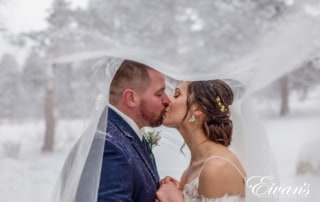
[152, 137]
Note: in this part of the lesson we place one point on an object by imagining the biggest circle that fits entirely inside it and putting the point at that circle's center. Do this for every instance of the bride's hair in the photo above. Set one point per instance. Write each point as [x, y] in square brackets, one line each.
[213, 97]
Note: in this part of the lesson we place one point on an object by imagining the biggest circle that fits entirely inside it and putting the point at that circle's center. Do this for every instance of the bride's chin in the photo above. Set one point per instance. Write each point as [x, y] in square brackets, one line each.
[166, 123]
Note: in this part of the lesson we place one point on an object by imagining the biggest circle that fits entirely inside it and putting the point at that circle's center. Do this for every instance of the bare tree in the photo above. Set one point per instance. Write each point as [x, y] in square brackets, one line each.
[53, 41]
[284, 94]
[301, 80]
[48, 144]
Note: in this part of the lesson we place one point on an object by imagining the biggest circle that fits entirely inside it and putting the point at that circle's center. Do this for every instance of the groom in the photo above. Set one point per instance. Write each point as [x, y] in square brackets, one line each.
[137, 99]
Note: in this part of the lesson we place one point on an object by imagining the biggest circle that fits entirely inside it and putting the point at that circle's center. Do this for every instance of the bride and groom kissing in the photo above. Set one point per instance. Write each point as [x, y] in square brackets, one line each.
[199, 110]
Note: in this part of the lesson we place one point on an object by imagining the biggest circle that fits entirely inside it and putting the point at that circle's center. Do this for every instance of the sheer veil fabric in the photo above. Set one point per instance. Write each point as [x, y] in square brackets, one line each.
[290, 41]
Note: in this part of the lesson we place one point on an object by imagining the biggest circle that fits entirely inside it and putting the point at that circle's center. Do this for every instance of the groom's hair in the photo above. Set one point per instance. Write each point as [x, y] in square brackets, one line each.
[131, 74]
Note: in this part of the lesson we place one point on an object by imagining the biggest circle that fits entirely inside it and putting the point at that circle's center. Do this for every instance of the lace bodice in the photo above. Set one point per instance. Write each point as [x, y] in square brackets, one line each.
[191, 193]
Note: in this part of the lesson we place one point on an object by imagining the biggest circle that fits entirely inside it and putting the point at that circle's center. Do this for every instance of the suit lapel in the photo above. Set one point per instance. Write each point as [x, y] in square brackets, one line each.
[135, 141]
[147, 160]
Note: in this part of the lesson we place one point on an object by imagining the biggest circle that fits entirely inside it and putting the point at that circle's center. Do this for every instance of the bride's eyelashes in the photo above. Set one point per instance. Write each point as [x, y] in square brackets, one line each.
[176, 94]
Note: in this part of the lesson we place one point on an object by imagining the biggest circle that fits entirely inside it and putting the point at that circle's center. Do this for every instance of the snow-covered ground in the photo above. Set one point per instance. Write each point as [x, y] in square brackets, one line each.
[295, 139]
[290, 139]
[26, 174]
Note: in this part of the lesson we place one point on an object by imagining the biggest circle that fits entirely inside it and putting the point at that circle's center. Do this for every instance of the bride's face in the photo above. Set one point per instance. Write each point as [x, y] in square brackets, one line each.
[177, 109]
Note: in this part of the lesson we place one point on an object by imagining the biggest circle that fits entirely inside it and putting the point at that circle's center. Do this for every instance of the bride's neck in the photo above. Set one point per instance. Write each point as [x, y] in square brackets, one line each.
[200, 146]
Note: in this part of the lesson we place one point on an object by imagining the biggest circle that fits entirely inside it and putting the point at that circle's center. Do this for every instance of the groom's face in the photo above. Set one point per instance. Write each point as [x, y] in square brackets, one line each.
[154, 100]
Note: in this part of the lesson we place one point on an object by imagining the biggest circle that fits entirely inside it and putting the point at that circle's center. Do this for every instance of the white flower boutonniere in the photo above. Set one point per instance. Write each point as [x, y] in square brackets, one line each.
[152, 137]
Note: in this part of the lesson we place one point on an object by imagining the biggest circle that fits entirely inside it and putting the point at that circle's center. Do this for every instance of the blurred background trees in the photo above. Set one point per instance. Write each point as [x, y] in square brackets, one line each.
[9, 85]
[39, 88]
[294, 85]
[300, 82]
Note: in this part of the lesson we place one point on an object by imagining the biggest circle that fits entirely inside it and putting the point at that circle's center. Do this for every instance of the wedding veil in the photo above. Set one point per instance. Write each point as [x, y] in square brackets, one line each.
[248, 65]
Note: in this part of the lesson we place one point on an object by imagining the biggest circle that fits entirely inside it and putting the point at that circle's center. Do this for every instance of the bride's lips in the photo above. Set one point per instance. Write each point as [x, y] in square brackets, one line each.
[164, 113]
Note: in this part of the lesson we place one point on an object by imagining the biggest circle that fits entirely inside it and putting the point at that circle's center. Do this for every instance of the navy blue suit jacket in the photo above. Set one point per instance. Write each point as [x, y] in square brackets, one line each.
[128, 173]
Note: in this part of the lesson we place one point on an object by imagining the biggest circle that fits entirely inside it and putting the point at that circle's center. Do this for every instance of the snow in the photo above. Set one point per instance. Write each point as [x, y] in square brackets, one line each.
[32, 175]
[29, 175]
[296, 138]
[289, 139]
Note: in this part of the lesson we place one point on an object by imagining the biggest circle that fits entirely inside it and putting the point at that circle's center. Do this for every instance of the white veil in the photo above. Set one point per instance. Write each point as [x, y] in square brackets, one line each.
[251, 66]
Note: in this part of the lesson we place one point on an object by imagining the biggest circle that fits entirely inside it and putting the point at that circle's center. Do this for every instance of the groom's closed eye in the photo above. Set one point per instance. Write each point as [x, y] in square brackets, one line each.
[160, 92]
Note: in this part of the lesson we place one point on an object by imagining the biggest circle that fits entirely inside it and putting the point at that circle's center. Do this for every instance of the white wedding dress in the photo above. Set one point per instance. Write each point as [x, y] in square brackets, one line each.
[191, 193]
[258, 59]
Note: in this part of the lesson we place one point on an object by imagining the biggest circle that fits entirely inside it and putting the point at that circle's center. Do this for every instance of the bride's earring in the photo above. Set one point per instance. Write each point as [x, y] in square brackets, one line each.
[192, 119]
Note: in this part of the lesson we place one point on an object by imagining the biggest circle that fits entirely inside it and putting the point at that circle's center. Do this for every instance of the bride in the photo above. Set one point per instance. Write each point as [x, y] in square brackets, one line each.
[199, 110]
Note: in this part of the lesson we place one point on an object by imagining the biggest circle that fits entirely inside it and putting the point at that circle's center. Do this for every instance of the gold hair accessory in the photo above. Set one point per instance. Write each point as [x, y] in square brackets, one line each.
[221, 106]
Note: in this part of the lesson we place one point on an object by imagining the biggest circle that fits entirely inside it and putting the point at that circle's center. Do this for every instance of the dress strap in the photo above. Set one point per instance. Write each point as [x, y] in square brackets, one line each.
[226, 159]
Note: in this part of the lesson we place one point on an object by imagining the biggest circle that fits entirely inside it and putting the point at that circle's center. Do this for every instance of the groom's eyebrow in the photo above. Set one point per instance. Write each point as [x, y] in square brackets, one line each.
[161, 90]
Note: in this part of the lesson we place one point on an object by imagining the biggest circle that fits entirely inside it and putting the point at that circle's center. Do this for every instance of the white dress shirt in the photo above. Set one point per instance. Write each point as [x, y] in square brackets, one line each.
[127, 119]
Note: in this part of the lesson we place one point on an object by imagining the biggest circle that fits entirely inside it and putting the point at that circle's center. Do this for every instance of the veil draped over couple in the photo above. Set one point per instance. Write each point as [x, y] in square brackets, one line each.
[199, 110]
[210, 108]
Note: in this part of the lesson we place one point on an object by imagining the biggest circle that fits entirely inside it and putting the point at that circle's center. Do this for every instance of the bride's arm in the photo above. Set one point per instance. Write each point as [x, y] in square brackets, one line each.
[183, 179]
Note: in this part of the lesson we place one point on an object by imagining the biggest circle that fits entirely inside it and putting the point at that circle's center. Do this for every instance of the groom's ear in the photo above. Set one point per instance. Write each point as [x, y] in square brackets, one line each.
[130, 98]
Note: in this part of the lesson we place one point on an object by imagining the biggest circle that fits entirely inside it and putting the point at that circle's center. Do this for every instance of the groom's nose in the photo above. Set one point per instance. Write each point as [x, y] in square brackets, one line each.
[166, 101]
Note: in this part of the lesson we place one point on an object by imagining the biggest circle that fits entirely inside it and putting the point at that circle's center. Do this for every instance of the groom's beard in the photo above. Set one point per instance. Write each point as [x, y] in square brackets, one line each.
[153, 119]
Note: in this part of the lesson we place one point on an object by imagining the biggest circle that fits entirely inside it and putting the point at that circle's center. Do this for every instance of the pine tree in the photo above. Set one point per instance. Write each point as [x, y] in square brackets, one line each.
[9, 85]
[34, 78]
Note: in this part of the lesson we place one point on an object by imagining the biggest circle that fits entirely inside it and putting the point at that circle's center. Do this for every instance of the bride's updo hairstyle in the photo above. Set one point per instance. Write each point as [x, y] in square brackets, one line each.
[213, 98]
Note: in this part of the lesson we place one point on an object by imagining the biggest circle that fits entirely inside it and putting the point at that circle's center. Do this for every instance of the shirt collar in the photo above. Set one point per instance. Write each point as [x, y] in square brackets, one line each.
[127, 119]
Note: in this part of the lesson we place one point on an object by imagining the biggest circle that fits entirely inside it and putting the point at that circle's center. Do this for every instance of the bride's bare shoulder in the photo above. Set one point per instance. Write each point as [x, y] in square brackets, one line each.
[219, 177]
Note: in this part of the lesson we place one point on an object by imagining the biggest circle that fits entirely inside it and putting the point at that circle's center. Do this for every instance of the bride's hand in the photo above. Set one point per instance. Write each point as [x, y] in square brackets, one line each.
[169, 192]
[168, 179]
